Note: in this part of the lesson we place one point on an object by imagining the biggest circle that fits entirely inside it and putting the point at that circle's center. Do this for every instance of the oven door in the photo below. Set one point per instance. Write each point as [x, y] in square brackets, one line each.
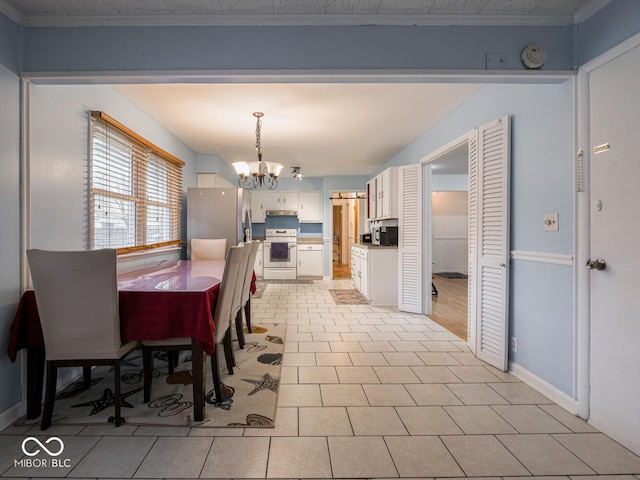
[282, 256]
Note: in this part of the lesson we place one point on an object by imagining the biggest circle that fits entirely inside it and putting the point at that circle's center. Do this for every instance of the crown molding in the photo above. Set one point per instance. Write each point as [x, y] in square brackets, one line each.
[10, 12]
[589, 9]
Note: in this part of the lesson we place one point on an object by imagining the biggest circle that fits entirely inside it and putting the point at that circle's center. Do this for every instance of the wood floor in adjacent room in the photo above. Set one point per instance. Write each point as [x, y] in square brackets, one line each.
[450, 305]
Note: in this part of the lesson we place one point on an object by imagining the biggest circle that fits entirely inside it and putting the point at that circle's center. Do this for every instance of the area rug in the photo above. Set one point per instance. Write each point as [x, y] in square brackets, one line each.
[252, 391]
[451, 275]
[348, 297]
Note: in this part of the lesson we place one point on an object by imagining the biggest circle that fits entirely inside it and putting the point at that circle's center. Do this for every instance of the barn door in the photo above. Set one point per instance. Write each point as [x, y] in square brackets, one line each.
[410, 240]
[492, 242]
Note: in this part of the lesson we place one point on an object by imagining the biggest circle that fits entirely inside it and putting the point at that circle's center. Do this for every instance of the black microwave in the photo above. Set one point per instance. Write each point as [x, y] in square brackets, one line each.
[383, 235]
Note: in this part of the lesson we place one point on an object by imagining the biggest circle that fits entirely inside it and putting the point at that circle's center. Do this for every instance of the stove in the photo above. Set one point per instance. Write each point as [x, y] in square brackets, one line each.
[280, 246]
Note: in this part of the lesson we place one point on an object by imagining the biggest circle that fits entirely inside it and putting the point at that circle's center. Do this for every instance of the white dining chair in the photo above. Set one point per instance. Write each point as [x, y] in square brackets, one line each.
[208, 248]
[237, 294]
[77, 298]
[221, 329]
[245, 299]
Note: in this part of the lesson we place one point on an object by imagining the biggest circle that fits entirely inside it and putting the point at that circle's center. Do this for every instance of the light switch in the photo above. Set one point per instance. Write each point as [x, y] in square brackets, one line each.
[550, 222]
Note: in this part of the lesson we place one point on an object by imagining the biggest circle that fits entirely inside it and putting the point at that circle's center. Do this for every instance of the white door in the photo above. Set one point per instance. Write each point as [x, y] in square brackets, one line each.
[615, 198]
[473, 242]
[492, 277]
[410, 245]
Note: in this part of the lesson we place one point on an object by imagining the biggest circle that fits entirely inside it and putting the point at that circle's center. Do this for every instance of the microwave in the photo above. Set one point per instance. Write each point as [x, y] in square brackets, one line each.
[383, 235]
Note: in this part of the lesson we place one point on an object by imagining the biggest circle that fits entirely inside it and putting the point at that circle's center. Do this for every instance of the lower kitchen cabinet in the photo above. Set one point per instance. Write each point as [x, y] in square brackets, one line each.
[258, 268]
[310, 260]
[374, 272]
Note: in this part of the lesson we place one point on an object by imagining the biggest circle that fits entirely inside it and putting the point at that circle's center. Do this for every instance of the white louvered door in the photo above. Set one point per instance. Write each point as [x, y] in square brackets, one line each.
[491, 302]
[410, 240]
[472, 284]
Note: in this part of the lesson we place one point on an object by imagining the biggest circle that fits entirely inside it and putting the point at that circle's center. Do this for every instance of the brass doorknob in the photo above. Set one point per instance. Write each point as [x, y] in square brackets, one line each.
[598, 264]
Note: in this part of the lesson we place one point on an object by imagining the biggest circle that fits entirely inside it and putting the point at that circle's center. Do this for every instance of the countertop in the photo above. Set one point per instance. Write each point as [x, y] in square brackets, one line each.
[375, 247]
[310, 240]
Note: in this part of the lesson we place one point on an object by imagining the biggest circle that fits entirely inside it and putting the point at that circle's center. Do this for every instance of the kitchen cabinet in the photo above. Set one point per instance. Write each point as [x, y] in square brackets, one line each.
[258, 207]
[374, 272]
[310, 260]
[281, 200]
[258, 267]
[383, 193]
[310, 207]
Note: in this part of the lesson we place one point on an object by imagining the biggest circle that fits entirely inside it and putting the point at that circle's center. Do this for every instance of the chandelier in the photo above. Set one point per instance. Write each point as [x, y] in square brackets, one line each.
[258, 174]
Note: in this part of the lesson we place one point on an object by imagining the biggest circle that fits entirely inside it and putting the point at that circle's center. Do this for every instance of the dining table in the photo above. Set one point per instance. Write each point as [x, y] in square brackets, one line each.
[168, 300]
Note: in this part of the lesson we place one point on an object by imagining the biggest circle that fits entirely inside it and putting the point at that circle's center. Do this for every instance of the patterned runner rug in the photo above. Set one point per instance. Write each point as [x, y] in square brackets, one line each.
[252, 390]
[348, 297]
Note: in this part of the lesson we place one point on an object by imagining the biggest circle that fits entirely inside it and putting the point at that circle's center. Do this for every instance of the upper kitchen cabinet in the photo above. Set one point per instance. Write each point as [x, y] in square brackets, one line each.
[281, 200]
[258, 207]
[310, 207]
[383, 195]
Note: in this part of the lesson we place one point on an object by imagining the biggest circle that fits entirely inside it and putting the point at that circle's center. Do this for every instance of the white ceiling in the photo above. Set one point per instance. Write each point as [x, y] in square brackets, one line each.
[326, 129]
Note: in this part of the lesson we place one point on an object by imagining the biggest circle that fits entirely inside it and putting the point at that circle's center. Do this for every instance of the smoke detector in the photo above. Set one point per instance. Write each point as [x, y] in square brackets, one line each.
[533, 56]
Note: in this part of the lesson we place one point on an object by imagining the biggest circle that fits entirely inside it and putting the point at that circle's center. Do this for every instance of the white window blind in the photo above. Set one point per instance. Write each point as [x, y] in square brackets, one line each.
[136, 189]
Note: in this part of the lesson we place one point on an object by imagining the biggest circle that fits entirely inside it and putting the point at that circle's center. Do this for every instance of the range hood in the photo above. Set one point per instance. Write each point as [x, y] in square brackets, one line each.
[282, 213]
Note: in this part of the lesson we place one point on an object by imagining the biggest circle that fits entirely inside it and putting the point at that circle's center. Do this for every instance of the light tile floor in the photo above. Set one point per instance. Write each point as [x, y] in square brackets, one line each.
[366, 392]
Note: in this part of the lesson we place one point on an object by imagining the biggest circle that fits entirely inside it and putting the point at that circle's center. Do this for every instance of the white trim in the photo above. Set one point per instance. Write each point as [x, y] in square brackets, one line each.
[9, 416]
[611, 54]
[450, 237]
[542, 257]
[545, 388]
[291, 19]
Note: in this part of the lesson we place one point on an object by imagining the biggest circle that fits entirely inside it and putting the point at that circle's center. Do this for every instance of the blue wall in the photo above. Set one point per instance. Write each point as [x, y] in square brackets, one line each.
[300, 48]
[616, 22]
[541, 182]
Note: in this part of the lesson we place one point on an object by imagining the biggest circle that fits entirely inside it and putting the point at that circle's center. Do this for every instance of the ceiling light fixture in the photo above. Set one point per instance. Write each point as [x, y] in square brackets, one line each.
[296, 173]
[258, 174]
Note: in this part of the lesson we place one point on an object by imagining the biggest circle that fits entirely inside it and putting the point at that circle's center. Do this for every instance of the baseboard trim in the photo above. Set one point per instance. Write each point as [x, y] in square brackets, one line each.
[11, 414]
[542, 257]
[545, 388]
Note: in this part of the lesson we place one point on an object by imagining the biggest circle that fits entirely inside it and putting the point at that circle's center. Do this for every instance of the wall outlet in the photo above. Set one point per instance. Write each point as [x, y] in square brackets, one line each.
[514, 344]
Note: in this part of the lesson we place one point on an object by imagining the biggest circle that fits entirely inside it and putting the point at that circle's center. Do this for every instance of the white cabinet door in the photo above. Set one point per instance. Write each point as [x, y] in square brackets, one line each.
[371, 199]
[281, 200]
[310, 261]
[258, 207]
[355, 267]
[289, 200]
[364, 273]
[258, 268]
[310, 207]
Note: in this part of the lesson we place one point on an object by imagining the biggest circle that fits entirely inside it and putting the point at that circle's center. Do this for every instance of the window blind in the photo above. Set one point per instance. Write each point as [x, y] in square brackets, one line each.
[136, 189]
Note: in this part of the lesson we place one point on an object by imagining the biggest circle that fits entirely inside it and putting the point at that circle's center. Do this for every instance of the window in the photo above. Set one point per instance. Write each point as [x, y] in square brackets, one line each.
[136, 189]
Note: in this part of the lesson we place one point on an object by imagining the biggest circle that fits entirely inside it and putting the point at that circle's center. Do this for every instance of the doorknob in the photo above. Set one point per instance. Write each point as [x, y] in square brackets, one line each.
[598, 264]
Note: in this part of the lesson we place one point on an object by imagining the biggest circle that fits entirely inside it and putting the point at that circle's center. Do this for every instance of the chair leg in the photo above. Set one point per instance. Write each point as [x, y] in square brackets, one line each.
[86, 376]
[228, 351]
[172, 360]
[117, 392]
[215, 373]
[147, 362]
[247, 314]
[50, 395]
[239, 330]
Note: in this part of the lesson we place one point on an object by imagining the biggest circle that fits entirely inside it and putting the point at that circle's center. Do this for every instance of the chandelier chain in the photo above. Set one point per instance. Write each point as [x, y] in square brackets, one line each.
[258, 128]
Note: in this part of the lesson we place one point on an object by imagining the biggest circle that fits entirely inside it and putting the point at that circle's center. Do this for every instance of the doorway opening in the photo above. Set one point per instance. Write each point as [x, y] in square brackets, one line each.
[348, 222]
[450, 243]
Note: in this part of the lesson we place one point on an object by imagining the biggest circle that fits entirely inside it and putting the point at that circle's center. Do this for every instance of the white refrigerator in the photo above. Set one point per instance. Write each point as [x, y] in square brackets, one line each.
[218, 213]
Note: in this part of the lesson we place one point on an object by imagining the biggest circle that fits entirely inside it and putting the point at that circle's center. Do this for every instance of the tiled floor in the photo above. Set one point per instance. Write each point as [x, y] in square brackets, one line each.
[365, 393]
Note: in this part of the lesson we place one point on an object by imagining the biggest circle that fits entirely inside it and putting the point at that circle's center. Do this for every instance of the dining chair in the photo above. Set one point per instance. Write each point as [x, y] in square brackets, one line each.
[77, 297]
[208, 248]
[237, 294]
[245, 299]
[221, 329]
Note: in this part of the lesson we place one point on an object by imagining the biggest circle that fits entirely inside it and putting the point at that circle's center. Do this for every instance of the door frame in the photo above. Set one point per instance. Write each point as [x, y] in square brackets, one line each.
[427, 223]
[582, 225]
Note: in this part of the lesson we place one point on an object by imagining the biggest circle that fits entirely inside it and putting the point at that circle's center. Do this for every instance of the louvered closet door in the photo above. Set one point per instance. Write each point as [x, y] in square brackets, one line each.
[472, 283]
[493, 243]
[410, 240]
